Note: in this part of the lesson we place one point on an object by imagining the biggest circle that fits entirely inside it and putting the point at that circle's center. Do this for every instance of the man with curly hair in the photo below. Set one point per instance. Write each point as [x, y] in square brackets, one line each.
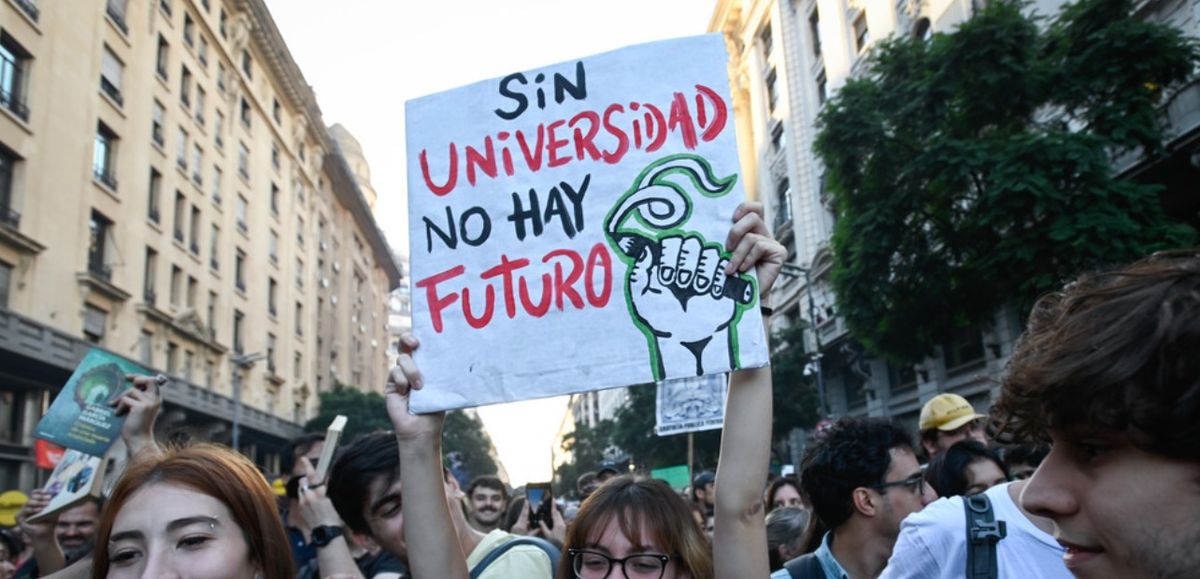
[1109, 371]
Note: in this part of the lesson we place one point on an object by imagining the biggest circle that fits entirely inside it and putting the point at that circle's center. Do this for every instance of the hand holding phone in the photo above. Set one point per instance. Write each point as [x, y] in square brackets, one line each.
[539, 501]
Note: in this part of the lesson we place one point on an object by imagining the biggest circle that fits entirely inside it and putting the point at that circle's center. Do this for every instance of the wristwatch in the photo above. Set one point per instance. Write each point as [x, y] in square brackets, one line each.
[325, 534]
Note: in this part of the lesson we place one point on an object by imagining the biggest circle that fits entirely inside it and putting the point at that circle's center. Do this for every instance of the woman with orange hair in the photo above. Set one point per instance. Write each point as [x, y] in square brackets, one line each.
[204, 511]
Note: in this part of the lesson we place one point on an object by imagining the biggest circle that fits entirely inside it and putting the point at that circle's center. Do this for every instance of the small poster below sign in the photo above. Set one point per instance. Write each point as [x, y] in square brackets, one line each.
[691, 404]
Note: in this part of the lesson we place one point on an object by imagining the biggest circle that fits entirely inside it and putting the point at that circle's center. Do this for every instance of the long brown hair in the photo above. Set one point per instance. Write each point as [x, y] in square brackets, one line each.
[219, 473]
[666, 516]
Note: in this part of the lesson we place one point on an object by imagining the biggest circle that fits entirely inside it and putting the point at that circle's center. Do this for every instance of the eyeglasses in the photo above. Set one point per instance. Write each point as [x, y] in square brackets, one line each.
[916, 482]
[593, 565]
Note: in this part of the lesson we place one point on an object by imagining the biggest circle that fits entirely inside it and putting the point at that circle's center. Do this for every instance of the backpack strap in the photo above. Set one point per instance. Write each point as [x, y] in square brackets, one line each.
[983, 532]
[805, 567]
[550, 550]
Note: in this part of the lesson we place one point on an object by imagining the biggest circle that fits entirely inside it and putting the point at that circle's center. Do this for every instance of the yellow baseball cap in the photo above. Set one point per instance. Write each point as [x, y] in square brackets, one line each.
[947, 412]
[10, 503]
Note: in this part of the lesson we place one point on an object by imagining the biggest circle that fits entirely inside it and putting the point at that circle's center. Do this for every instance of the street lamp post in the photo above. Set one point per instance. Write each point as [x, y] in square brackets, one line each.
[794, 271]
[240, 363]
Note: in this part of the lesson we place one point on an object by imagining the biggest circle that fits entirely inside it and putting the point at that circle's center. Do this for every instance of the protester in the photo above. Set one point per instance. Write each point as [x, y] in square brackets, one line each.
[586, 484]
[788, 530]
[10, 547]
[487, 501]
[947, 419]
[606, 472]
[295, 459]
[862, 479]
[202, 511]
[1022, 459]
[784, 492]
[554, 531]
[1108, 370]
[703, 491]
[966, 468]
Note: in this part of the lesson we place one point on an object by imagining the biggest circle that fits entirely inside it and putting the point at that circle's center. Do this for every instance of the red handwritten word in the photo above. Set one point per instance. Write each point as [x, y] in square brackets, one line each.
[566, 140]
[570, 271]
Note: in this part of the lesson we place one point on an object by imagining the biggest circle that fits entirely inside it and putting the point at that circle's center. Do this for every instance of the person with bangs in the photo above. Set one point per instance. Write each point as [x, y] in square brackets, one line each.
[639, 529]
[202, 511]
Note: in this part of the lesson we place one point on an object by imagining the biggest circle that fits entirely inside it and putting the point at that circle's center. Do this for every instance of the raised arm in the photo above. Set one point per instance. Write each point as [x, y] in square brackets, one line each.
[433, 546]
[140, 405]
[740, 531]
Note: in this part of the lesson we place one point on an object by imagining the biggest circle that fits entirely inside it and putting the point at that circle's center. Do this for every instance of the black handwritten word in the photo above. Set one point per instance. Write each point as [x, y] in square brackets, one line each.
[572, 219]
[561, 88]
[701, 118]
[451, 234]
[562, 289]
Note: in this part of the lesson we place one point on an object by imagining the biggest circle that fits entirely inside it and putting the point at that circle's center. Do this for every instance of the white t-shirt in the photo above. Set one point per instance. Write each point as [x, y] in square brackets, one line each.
[933, 543]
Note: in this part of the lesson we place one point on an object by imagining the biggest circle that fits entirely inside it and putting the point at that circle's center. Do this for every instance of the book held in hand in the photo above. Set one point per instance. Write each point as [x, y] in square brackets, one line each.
[77, 477]
[82, 417]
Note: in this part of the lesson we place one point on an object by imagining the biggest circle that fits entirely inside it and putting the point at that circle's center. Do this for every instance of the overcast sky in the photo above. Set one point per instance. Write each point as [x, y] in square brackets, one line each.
[365, 58]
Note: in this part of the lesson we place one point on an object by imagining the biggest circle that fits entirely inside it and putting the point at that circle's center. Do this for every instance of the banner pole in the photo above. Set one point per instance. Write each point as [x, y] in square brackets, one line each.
[691, 475]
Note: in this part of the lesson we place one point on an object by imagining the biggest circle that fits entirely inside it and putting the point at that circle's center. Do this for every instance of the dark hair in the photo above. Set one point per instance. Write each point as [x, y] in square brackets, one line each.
[296, 448]
[1115, 352]
[516, 509]
[789, 480]
[583, 480]
[369, 458]
[12, 542]
[947, 472]
[488, 481]
[1032, 454]
[853, 453]
[634, 504]
[222, 474]
[786, 526]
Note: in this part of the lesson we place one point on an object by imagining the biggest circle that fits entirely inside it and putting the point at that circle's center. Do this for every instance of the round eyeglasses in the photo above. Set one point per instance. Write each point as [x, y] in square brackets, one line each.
[593, 565]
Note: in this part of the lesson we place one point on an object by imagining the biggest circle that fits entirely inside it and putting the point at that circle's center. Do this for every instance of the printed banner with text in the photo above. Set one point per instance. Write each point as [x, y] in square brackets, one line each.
[568, 227]
[690, 404]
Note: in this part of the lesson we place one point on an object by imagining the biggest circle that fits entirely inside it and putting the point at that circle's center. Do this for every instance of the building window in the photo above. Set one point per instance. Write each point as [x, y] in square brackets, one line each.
[273, 247]
[214, 248]
[192, 288]
[783, 203]
[778, 137]
[202, 51]
[247, 63]
[862, 34]
[216, 184]
[271, 353]
[814, 30]
[297, 364]
[299, 273]
[963, 347]
[94, 321]
[99, 229]
[148, 280]
[180, 215]
[275, 159]
[165, 6]
[238, 319]
[923, 30]
[194, 231]
[185, 88]
[243, 161]
[116, 13]
[197, 164]
[14, 76]
[272, 293]
[200, 105]
[239, 271]
[242, 209]
[156, 126]
[172, 358]
[111, 71]
[160, 62]
[222, 72]
[155, 195]
[8, 163]
[274, 199]
[300, 230]
[245, 113]
[212, 313]
[189, 30]
[104, 157]
[219, 130]
[765, 38]
[188, 359]
[176, 281]
[181, 147]
[147, 348]
[277, 111]
[822, 91]
[299, 319]
[223, 21]
[209, 371]
[772, 90]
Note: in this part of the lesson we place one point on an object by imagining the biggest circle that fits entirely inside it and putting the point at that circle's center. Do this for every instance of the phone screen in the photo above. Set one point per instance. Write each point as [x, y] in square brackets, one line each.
[539, 503]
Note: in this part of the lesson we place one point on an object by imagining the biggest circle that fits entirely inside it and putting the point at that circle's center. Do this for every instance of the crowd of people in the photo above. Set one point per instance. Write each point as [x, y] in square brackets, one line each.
[1088, 465]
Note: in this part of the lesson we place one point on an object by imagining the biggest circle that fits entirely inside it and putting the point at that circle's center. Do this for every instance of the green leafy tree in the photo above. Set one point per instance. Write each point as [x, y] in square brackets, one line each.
[366, 412]
[587, 446]
[795, 396]
[975, 169]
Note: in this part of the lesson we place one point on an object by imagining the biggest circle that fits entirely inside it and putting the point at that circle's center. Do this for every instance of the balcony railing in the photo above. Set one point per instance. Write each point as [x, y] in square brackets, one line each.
[10, 218]
[111, 90]
[15, 104]
[149, 296]
[100, 270]
[117, 15]
[29, 7]
[105, 176]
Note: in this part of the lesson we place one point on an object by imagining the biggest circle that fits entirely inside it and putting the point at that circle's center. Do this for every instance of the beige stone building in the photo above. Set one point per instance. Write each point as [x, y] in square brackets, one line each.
[169, 192]
[787, 57]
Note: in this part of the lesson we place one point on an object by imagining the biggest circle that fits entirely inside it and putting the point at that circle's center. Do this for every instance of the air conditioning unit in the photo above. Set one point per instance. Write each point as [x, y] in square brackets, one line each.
[333, 300]
[337, 266]
[325, 282]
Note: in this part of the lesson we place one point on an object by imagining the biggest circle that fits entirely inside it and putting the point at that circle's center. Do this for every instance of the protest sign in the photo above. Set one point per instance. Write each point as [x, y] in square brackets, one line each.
[690, 404]
[568, 224]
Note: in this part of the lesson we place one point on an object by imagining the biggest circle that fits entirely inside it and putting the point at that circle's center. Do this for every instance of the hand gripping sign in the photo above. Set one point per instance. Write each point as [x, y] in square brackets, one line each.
[567, 224]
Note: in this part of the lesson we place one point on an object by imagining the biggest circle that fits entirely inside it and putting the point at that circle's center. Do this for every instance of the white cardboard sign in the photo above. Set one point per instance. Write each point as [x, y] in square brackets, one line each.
[690, 404]
[568, 226]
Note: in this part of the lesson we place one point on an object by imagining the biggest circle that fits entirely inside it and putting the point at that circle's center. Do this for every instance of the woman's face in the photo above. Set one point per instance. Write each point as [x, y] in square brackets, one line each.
[983, 475]
[170, 530]
[613, 544]
[786, 496]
